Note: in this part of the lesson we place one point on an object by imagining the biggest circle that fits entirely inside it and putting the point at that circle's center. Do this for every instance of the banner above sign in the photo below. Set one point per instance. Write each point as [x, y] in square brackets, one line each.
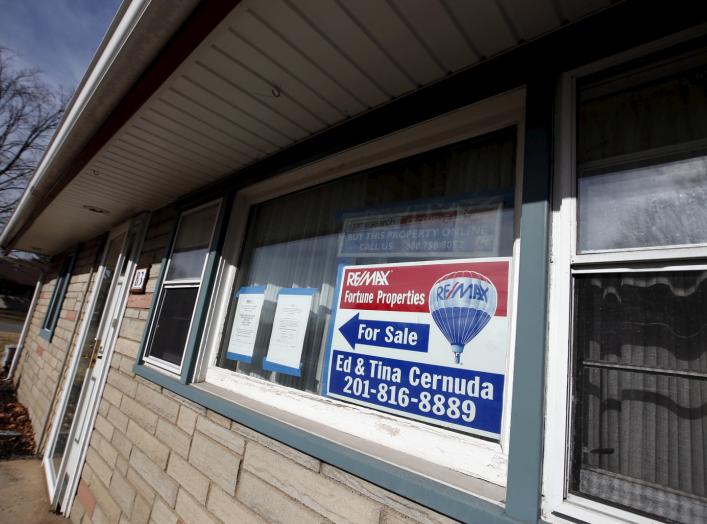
[443, 228]
[426, 340]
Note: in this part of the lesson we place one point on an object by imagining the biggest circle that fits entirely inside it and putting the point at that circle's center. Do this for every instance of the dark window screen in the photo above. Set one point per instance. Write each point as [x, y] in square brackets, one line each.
[640, 429]
[172, 324]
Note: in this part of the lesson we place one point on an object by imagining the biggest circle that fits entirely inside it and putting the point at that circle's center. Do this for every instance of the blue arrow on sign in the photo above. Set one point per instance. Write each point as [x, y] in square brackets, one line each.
[394, 335]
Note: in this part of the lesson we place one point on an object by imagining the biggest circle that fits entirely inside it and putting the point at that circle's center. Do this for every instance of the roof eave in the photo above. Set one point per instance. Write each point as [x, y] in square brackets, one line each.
[138, 32]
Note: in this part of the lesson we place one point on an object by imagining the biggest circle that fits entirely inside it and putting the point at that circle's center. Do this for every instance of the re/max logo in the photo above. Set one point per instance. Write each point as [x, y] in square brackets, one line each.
[474, 290]
[367, 278]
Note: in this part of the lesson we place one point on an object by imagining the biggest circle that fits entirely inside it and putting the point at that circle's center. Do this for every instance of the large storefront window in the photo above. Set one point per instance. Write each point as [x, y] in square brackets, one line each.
[638, 372]
[453, 203]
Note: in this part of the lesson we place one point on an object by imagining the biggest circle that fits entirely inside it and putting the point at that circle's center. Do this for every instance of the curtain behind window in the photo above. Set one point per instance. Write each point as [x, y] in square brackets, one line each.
[641, 426]
[296, 240]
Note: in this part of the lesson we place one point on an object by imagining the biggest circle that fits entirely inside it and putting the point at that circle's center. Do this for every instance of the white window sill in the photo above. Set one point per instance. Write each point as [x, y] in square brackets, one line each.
[465, 462]
[162, 365]
[576, 508]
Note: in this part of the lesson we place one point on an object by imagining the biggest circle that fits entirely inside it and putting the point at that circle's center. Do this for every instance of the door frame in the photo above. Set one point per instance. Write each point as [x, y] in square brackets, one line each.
[63, 498]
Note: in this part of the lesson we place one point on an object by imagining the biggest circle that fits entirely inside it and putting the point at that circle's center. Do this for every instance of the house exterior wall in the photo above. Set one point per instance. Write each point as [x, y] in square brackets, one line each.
[42, 365]
[157, 457]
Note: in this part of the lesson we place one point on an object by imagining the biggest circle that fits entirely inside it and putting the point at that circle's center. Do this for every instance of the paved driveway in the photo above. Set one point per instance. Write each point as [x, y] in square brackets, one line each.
[23, 493]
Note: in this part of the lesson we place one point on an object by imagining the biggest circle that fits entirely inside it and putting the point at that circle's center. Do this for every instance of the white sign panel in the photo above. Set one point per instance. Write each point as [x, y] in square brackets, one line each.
[245, 323]
[288, 331]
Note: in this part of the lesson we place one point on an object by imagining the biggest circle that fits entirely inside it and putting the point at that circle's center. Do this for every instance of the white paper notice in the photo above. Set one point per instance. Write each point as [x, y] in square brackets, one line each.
[288, 330]
[245, 323]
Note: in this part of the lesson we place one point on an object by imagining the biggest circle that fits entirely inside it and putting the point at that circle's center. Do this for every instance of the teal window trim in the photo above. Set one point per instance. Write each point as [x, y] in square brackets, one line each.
[51, 318]
[525, 447]
[206, 286]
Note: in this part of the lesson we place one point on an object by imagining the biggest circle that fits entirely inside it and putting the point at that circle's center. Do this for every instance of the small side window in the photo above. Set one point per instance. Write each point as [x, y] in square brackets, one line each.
[57, 300]
[180, 288]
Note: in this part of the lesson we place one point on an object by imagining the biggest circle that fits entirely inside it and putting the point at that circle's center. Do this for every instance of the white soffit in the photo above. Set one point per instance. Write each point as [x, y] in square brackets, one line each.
[273, 73]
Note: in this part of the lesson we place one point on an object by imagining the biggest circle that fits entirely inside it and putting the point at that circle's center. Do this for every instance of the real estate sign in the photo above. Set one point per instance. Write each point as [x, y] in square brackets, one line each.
[426, 340]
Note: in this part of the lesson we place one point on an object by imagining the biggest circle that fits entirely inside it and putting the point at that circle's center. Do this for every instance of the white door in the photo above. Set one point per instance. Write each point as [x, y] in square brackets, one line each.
[74, 419]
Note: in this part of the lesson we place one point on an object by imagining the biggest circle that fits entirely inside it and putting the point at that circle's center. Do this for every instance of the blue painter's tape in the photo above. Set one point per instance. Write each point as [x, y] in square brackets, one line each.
[251, 290]
[279, 368]
[332, 322]
[297, 291]
[237, 356]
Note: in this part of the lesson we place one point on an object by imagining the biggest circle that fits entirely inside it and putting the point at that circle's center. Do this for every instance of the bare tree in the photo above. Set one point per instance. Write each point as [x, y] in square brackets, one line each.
[30, 111]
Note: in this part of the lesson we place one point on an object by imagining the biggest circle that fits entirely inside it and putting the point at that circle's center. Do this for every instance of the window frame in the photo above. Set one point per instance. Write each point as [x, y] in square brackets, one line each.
[58, 295]
[202, 283]
[565, 261]
[487, 460]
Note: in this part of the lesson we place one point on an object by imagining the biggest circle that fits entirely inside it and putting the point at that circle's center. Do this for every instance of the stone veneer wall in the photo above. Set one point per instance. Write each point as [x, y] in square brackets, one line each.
[157, 457]
[43, 364]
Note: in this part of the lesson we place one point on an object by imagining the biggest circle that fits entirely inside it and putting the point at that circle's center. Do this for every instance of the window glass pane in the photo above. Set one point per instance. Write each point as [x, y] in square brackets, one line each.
[640, 436]
[453, 202]
[192, 243]
[642, 157]
[169, 334]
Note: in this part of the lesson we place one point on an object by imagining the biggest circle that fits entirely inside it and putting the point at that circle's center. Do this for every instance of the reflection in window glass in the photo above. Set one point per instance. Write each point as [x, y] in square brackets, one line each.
[642, 164]
[659, 205]
[640, 436]
[192, 244]
[453, 202]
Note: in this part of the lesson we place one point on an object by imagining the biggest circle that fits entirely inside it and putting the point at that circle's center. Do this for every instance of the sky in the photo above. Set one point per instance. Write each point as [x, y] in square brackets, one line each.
[59, 37]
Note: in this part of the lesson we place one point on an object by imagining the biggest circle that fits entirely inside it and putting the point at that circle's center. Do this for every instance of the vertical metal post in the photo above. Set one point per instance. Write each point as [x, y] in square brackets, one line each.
[526, 438]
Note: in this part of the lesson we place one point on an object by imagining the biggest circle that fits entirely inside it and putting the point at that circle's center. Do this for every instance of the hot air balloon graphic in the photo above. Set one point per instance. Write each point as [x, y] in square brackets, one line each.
[462, 303]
